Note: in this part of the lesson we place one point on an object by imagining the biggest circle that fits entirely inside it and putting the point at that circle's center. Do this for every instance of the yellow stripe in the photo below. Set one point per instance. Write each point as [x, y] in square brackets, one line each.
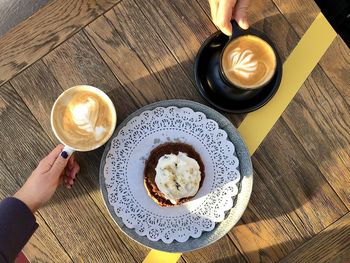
[156, 256]
[296, 69]
[257, 125]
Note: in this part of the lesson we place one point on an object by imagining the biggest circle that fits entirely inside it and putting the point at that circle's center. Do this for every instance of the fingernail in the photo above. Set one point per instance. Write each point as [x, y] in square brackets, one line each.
[243, 23]
[64, 154]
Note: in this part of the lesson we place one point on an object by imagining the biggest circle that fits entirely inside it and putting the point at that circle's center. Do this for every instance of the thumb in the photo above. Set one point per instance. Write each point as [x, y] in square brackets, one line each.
[240, 13]
[60, 163]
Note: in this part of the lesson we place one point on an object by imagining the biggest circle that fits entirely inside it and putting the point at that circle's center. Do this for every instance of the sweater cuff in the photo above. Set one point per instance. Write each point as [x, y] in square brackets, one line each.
[17, 224]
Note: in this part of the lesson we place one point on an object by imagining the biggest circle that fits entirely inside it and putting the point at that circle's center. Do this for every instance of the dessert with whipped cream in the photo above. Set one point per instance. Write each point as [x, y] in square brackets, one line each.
[248, 62]
[173, 174]
[83, 119]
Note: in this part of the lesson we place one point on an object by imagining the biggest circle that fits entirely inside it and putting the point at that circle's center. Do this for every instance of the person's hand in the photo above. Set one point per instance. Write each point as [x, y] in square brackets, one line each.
[222, 11]
[55, 168]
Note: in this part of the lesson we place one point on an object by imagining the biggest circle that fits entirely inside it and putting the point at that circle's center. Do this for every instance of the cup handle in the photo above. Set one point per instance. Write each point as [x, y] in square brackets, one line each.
[68, 150]
[236, 30]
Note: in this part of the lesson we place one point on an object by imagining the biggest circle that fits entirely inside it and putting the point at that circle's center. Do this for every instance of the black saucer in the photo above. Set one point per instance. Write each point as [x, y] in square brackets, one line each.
[213, 88]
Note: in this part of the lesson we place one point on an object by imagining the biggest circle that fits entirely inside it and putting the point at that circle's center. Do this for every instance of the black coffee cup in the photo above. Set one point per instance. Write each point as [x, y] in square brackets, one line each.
[236, 90]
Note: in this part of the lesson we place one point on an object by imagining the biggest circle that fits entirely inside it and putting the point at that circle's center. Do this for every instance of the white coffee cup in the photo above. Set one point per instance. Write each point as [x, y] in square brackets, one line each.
[74, 90]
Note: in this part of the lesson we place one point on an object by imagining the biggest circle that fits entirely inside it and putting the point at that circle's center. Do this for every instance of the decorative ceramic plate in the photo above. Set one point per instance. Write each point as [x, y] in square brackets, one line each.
[219, 202]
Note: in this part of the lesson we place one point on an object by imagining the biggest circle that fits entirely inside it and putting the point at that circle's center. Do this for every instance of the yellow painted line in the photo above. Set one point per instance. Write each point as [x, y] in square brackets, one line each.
[296, 69]
[156, 256]
[256, 125]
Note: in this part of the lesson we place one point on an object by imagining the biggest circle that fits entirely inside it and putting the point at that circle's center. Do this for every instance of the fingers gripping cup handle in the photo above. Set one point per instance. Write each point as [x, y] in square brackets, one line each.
[236, 30]
[68, 150]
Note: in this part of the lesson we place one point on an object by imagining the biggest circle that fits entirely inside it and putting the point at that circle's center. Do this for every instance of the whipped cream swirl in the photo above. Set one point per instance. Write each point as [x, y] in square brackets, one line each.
[242, 62]
[177, 176]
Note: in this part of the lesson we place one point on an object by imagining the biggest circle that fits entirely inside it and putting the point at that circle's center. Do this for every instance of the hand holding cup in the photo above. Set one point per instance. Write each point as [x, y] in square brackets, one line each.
[55, 168]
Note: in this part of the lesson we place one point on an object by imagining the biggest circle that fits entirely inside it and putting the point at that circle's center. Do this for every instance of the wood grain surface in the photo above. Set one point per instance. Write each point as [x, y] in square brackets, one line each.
[127, 23]
[141, 52]
[221, 251]
[76, 61]
[326, 100]
[330, 245]
[49, 27]
[322, 128]
[336, 61]
[13, 12]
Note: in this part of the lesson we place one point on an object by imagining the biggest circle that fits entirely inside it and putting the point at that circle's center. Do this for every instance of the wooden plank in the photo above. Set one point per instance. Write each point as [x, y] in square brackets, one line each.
[145, 52]
[322, 127]
[43, 246]
[300, 14]
[181, 25]
[336, 64]
[132, 26]
[298, 185]
[124, 62]
[39, 90]
[13, 12]
[44, 91]
[46, 29]
[330, 245]
[76, 62]
[9, 184]
[336, 61]
[265, 232]
[23, 139]
[221, 251]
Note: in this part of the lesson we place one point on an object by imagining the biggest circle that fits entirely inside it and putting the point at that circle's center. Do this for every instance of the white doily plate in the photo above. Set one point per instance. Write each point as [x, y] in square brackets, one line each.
[121, 173]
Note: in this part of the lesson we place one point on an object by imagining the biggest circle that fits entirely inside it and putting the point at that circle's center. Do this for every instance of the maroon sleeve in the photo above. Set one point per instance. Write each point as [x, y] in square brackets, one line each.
[17, 224]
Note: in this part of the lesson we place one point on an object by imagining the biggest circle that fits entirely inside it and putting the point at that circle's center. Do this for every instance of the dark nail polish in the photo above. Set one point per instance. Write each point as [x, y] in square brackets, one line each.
[64, 154]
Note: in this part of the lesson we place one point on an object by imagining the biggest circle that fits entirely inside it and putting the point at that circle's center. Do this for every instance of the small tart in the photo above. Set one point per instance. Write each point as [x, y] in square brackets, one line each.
[150, 170]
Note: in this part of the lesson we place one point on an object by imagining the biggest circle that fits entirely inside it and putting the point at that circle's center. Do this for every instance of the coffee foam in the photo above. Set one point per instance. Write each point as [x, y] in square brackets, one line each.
[83, 119]
[248, 62]
[243, 63]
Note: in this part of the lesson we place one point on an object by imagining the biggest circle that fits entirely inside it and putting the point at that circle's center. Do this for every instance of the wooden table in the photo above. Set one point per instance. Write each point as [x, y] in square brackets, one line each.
[140, 52]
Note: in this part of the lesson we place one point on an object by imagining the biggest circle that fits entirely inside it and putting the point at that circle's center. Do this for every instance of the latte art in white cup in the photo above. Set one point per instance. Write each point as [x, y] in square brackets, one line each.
[248, 62]
[83, 118]
[85, 115]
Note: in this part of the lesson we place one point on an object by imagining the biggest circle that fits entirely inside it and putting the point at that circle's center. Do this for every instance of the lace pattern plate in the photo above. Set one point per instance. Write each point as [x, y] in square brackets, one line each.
[123, 174]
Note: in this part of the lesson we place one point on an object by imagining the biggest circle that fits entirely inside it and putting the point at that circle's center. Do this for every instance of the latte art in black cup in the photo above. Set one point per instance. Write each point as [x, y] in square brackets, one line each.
[248, 62]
